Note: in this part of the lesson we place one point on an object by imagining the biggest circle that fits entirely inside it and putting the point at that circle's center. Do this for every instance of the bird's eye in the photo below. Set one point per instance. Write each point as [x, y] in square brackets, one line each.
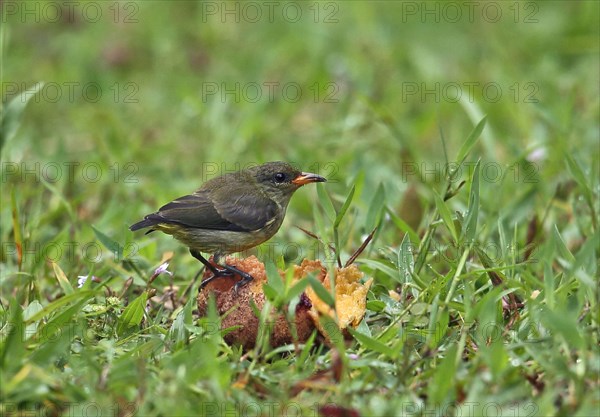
[279, 177]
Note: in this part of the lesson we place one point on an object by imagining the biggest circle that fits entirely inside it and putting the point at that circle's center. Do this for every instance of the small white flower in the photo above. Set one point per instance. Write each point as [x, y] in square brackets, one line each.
[81, 279]
[537, 155]
[161, 269]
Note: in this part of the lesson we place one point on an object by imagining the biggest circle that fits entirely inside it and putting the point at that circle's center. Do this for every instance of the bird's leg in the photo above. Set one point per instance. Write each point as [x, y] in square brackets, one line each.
[227, 271]
[215, 272]
[207, 264]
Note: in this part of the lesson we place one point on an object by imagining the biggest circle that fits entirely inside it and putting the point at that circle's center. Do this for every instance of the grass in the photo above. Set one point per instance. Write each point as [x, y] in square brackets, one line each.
[470, 147]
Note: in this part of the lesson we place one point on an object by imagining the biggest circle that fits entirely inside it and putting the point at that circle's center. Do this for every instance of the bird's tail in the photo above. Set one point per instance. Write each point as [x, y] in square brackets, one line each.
[142, 224]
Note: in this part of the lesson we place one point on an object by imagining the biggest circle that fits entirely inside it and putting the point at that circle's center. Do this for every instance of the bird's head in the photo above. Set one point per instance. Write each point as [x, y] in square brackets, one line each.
[279, 180]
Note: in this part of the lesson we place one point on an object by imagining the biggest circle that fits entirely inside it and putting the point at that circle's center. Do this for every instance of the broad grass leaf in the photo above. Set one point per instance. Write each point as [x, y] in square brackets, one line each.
[109, 243]
[273, 278]
[133, 313]
[297, 288]
[63, 281]
[12, 345]
[444, 375]
[371, 343]
[60, 302]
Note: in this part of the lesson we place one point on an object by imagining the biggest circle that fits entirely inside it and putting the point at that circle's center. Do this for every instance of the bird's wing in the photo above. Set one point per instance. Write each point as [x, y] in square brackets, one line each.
[235, 210]
[195, 210]
[251, 211]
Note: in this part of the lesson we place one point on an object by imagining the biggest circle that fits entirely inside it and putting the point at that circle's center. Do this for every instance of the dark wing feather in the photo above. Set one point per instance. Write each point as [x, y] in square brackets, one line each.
[250, 210]
[227, 208]
[194, 210]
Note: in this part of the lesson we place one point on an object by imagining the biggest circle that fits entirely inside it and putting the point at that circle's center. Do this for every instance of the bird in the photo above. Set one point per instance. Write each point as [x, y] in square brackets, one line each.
[230, 213]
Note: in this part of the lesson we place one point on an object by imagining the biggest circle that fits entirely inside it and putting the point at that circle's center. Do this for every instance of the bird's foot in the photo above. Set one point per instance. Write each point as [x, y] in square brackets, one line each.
[224, 270]
[246, 277]
[229, 271]
[217, 273]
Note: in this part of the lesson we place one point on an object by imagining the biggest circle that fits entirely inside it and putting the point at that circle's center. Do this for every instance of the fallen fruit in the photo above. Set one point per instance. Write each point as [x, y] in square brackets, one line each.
[350, 302]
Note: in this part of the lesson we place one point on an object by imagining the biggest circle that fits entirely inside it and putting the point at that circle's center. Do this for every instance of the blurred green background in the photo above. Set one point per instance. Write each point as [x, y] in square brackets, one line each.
[152, 98]
[143, 101]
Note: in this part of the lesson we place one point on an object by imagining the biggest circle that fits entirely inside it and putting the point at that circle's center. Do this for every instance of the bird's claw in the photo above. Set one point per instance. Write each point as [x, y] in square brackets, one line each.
[218, 273]
[241, 283]
[228, 271]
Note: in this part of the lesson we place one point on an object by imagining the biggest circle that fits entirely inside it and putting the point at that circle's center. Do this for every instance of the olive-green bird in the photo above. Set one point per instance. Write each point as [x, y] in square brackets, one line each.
[231, 213]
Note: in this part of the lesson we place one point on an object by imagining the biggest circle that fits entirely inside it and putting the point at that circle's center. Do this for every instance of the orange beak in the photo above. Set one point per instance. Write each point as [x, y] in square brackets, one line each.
[307, 177]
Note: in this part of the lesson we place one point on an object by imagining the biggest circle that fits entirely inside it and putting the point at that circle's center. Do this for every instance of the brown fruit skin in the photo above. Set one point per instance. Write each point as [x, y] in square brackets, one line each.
[242, 315]
[238, 309]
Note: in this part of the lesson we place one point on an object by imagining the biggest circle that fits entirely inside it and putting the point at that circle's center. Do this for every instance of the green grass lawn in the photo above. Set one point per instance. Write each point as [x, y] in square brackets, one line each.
[465, 135]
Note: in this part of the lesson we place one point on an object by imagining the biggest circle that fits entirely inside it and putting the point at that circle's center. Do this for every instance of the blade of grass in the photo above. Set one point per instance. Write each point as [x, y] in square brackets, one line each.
[12, 346]
[382, 267]
[445, 215]
[470, 223]
[62, 279]
[375, 208]
[110, 244]
[326, 202]
[46, 332]
[321, 291]
[470, 142]
[443, 377]
[581, 180]
[133, 313]
[372, 344]
[274, 288]
[406, 263]
[62, 301]
[344, 208]
[403, 226]
[16, 228]
[11, 115]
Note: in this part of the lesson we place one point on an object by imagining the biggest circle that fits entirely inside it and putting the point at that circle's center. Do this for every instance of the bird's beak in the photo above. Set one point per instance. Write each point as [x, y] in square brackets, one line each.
[307, 177]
